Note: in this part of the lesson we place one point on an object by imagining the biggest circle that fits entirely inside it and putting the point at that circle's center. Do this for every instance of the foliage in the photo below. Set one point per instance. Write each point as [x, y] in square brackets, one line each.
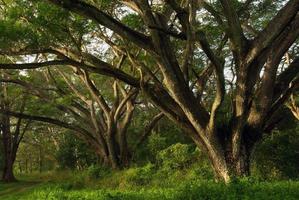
[192, 190]
[133, 21]
[97, 171]
[156, 143]
[177, 156]
[277, 157]
[162, 136]
[74, 153]
[138, 176]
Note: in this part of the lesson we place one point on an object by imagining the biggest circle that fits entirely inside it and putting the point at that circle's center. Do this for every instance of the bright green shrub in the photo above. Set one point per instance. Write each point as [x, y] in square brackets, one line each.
[177, 156]
[139, 176]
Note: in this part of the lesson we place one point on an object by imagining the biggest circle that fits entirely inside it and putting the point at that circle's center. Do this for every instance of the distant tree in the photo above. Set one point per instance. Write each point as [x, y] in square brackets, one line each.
[73, 153]
[37, 151]
[100, 121]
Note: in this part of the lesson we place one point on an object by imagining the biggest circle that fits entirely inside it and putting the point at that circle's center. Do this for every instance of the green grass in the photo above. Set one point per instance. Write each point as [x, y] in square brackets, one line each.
[196, 191]
[17, 190]
[127, 185]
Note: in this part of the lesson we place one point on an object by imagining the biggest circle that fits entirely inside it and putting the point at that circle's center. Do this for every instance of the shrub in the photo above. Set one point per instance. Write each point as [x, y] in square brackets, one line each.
[97, 171]
[177, 156]
[139, 176]
[155, 144]
[277, 157]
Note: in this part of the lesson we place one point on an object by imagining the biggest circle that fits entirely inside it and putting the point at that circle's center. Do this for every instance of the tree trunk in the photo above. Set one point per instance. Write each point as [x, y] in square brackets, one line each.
[124, 151]
[239, 167]
[40, 158]
[9, 153]
[219, 149]
[20, 167]
[113, 158]
[225, 168]
[8, 175]
[219, 164]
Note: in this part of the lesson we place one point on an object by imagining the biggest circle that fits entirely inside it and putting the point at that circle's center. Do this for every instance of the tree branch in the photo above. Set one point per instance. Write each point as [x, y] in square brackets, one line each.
[235, 31]
[149, 127]
[91, 12]
[273, 29]
[46, 120]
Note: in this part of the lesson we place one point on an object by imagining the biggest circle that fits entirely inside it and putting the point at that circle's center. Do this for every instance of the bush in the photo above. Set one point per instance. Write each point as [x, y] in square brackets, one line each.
[139, 176]
[201, 170]
[97, 171]
[155, 144]
[77, 181]
[177, 156]
[277, 157]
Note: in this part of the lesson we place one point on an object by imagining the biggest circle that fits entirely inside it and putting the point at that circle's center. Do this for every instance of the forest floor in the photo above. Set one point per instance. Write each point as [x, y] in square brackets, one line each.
[117, 186]
[17, 190]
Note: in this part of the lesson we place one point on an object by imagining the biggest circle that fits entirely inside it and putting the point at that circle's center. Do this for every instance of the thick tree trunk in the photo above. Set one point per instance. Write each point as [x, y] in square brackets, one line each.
[220, 153]
[225, 168]
[9, 151]
[113, 158]
[124, 151]
[8, 174]
[115, 153]
[239, 167]
[221, 169]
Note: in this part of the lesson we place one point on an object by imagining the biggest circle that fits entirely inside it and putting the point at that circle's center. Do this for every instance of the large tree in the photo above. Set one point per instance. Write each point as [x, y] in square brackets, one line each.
[191, 56]
[12, 129]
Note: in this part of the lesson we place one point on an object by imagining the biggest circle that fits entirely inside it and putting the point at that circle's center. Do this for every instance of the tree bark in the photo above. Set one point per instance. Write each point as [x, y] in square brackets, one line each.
[9, 153]
[240, 166]
[9, 159]
[8, 174]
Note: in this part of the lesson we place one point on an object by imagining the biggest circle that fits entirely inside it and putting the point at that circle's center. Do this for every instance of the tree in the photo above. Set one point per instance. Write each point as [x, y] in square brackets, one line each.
[95, 115]
[73, 153]
[12, 130]
[38, 149]
[180, 48]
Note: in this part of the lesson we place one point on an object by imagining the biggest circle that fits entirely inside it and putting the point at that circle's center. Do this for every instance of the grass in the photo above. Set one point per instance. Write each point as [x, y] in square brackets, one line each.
[133, 184]
[17, 190]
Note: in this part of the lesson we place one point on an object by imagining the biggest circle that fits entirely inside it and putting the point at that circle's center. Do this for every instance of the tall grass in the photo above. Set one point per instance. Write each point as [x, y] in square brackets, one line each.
[185, 191]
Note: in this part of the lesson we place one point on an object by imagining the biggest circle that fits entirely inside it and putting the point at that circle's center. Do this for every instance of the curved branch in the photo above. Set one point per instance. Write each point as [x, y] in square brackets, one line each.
[273, 29]
[149, 128]
[91, 12]
[286, 77]
[234, 27]
[46, 120]
[34, 65]
[102, 68]
[123, 102]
